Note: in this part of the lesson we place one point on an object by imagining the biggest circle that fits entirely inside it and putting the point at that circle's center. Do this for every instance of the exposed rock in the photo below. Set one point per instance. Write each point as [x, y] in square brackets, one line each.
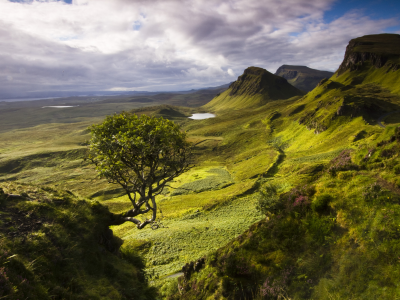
[378, 49]
[192, 267]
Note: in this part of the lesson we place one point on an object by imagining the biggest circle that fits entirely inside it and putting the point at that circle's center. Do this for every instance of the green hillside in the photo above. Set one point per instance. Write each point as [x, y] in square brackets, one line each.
[254, 88]
[291, 196]
[302, 77]
[331, 203]
[56, 246]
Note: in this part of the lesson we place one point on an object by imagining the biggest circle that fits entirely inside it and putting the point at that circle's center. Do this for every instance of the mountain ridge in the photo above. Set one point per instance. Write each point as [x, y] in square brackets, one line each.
[302, 77]
[255, 87]
[379, 49]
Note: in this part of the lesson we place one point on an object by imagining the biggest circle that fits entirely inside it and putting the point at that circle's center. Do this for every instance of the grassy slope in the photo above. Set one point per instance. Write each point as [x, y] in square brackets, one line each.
[345, 250]
[52, 153]
[210, 204]
[53, 247]
[317, 250]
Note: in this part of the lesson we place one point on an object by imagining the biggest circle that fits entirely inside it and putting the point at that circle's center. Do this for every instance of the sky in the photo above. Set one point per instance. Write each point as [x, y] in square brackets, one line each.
[171, 45]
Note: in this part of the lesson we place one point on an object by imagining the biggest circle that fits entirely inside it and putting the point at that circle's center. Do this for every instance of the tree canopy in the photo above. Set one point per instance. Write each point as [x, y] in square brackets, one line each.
[142, 154]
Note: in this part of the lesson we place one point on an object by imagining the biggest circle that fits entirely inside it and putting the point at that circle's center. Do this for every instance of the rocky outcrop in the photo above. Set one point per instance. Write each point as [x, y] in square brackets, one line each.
[379, 50]
[193, 266]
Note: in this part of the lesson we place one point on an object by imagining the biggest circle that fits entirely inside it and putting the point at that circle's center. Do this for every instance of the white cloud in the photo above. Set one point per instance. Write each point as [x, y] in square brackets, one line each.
[165, 44]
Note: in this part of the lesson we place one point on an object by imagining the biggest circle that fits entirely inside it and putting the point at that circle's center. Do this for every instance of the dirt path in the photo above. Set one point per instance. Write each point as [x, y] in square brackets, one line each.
[379, 121]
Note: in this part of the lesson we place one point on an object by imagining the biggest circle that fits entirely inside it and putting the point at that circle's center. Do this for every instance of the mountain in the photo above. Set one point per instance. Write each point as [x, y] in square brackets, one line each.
[254, 88]
[367, 84]
[331, 201]
[380, 50]
[302, 77]
[295, 199]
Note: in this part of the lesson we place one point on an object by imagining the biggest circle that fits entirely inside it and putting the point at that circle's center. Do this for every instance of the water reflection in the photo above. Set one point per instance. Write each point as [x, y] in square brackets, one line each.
[202, 116]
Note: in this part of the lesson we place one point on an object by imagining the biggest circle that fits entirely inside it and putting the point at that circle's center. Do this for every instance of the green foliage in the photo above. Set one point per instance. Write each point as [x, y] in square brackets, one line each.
[333, 237]
[321, 202]
[137, 152]
[268, 200]
[220, 179]
[342, 162]
[56, 245]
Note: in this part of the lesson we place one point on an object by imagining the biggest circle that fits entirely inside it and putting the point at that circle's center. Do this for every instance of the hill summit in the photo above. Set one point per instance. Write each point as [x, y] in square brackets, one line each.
[367, 85]
[302, 77]
[255, 87]
[380, 49]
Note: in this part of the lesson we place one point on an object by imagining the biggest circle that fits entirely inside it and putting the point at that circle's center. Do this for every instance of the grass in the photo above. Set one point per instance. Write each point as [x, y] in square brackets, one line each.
[332, 234]
[211, 216]
[393, 119]
[191, 235]
[345, 247]
[198, 181]
[55, 246]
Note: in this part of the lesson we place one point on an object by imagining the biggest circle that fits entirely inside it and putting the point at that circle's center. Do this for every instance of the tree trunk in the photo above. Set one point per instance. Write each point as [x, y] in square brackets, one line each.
[119, 219]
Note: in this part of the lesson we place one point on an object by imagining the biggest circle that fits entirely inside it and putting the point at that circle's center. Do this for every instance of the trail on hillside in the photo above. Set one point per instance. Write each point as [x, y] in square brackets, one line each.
[380, 119]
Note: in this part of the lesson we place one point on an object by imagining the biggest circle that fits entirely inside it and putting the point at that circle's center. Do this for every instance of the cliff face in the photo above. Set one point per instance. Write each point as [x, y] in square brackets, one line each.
[378, 49]
[302, 77]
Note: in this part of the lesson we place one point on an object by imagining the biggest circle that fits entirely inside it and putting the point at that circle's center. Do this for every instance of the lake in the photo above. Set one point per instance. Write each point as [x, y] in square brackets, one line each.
[202, 116]
[59, 106]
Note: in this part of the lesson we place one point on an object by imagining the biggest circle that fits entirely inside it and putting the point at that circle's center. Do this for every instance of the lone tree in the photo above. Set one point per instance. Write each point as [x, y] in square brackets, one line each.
[142, 154]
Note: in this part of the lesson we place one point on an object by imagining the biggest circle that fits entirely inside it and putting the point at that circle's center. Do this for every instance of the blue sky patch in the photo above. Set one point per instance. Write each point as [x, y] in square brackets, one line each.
[375, 9]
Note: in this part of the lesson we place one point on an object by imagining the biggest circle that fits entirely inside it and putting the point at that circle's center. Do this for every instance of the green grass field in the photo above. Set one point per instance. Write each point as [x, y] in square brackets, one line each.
[329, 230]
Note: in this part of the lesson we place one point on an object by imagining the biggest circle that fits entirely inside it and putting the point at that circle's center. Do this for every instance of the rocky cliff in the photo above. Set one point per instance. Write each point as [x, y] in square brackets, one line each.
[378, 49]
[302, 77]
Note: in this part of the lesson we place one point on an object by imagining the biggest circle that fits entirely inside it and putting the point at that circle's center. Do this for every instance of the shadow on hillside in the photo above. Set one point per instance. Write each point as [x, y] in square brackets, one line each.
[275, 167]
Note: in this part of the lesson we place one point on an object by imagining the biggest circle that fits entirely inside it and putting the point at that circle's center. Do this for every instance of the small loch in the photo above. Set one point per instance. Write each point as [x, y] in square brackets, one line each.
[202, 116]
[59, 106]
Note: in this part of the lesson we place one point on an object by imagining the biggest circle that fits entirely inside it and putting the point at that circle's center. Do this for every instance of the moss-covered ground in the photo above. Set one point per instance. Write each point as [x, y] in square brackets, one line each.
[54, 245]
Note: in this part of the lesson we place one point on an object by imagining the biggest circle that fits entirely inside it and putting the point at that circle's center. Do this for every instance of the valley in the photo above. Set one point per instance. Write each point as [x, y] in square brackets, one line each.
[291, 194]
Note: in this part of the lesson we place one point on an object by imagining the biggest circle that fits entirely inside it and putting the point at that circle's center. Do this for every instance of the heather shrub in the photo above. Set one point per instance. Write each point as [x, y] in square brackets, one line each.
[299, 198]
[276, 287]
[341, 163]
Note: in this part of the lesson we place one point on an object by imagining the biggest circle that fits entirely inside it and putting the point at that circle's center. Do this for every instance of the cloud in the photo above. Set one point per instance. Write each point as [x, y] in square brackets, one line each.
[88, 45]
